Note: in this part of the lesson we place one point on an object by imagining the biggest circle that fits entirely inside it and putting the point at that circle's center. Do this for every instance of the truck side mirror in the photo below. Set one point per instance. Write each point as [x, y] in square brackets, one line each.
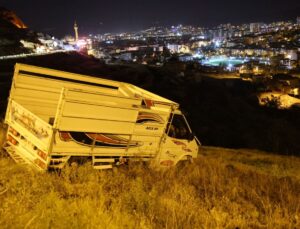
[191, 136]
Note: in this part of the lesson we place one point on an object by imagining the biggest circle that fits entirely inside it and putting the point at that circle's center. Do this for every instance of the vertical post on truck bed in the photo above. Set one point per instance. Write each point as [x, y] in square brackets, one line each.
[59, 108]
[94, 143]
[128, 144]
[55, 123]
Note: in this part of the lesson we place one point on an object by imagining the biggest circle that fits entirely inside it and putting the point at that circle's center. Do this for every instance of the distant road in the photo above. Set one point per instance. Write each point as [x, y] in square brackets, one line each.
[23, 55]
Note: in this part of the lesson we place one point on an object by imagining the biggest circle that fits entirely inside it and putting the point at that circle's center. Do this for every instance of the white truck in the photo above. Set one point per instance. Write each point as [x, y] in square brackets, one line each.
[53, 116]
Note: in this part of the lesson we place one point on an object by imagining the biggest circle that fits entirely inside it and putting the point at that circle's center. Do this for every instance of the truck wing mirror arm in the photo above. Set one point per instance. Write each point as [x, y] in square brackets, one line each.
[191, 136]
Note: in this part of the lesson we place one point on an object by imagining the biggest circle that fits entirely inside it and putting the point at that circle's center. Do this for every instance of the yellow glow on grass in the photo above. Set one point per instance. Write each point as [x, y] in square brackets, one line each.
[222, 189]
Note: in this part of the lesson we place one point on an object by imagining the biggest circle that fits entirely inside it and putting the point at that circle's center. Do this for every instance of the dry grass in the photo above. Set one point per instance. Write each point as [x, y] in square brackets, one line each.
[261, 162]
[2, 134]
[222, 189]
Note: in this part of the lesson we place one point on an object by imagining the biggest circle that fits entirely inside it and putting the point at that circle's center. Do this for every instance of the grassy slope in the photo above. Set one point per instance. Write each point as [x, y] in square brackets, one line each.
[223, 189]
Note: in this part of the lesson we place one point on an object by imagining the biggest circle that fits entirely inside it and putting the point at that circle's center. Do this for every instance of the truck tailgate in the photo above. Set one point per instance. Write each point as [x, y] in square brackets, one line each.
[28, 137]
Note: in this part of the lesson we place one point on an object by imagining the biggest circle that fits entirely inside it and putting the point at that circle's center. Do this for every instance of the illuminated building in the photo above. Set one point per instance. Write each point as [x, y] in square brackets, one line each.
[176, 48]
[255, 27]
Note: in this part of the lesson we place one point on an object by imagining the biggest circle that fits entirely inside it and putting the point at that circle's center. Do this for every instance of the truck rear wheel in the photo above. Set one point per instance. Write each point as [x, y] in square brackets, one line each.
[183, 163]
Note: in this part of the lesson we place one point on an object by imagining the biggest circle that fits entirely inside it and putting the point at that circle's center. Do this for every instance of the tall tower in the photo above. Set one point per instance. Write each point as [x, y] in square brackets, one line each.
[76, 31]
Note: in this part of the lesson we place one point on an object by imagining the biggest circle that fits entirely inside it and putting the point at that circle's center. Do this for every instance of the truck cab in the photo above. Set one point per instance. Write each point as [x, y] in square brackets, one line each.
[178, 143]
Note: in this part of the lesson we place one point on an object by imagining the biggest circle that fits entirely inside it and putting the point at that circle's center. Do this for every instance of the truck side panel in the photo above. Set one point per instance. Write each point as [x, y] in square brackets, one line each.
[84, 144]
[130, 132]
[62, 74]
[95, 118]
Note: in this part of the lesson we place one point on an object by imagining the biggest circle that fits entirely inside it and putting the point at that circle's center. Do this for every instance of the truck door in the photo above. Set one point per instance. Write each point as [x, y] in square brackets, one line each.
[179, 143]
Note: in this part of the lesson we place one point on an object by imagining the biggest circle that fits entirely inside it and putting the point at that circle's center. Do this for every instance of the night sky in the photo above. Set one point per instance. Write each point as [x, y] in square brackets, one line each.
[57, 17]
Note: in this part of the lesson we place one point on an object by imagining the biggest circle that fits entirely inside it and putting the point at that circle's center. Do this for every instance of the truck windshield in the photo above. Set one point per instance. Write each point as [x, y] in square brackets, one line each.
[179, 128]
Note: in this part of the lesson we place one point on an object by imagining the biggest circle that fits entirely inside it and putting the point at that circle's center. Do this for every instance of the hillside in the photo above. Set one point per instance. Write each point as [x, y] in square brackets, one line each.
[9, 20]
[223, 188]
[12, 31]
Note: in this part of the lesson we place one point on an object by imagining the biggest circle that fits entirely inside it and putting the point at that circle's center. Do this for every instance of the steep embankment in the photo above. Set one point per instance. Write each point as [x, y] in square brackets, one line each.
[222, 189]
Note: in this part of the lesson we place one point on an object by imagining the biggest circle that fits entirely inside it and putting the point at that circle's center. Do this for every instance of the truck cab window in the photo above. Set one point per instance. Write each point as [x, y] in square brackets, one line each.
[179, 128]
